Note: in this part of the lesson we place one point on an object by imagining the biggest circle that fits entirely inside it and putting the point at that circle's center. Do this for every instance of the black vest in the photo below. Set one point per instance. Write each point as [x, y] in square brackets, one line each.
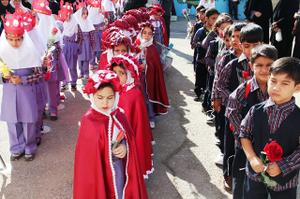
[236, 75]
[286, 135]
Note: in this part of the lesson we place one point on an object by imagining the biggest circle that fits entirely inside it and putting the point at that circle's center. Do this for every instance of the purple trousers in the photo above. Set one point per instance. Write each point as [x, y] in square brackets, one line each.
[41, 97]
[71, 51]
[22, 137]
[84, 68]
[53, 96]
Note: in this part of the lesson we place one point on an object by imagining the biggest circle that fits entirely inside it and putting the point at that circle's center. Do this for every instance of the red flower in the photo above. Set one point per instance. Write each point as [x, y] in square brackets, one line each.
[273, 151]
[246, 74]
[54, 31]
[90, 87]
[184, 12]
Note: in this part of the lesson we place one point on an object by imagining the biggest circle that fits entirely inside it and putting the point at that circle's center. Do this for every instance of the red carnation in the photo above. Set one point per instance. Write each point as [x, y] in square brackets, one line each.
[89, 88]
[54, 31]
[273, 151]
[246, 74]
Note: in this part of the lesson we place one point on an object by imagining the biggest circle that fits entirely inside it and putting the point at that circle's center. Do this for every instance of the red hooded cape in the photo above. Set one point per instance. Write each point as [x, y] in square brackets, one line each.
[164, 30]
[103, 61]
[93, 174]
[133, 103]
[155, 82]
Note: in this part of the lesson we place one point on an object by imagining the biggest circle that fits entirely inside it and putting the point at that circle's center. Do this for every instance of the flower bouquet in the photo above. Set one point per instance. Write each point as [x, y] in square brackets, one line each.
[272, 152]
[189, 29]
[4, 70]
[118, 140]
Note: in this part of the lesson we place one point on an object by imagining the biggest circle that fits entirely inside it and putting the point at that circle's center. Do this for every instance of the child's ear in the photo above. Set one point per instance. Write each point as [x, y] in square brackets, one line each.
[297, 88]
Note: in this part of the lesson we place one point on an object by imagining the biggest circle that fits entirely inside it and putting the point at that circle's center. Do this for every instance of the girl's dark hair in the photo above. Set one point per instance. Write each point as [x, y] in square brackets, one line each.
[251, 33]
[289, 66]
[264, 50]
[115, 64]
[110, 85]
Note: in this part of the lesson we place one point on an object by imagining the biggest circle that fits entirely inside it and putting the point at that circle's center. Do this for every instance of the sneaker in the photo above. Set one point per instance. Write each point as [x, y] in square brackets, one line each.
[227, 183]
[38, 141]
[197, 99]
[29, 157]
[16, 156]
[210, 117]
[219, 160]
[63, 88]
[53, 117]
[46, 129]
[152, 125]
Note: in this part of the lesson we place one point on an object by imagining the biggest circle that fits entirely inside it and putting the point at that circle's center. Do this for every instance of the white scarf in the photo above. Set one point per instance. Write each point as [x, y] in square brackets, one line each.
[114, 107]
[144, 43]
[45, 26]
[95, 16]
[70, 27]
[85, 24]
[26, 56]
[37, 39]
[108, 6]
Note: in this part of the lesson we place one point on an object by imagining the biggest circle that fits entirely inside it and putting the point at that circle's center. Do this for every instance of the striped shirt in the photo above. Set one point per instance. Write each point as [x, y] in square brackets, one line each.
[237, 102]
[276, 114]
[222, 84]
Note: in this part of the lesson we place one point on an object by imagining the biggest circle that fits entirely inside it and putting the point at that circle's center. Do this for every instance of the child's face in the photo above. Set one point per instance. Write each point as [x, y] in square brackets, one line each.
[85, 14]
[247, 47]
[211, 20]
[222, 28]
[201, 16]
[281, 88]
[120, 49]
[104, 99]
[235, 40]
[227, 42]
[147, 33]
[4, 2]
[121, 74]
[157, 15]
[15, 42]
[261, 69]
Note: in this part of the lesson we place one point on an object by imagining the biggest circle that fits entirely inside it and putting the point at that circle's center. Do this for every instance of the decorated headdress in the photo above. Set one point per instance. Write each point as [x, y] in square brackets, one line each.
[132, 21]
[155, 8]
[136, 13]
[41, 6]
[29, 20]
[94, 3]
[99, 78]
[80, 4]
[106, 36]
[129, 62]
[121, 24]
[118, 39]
[146, 24]
[13, 25]
[65, 11]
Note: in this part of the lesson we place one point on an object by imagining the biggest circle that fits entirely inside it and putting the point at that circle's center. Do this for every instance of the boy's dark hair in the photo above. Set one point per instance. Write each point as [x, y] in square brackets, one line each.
[211, 11]
[251, 33]
[236, 27]
[222, 18]
[289, 66]
[199, 8]
[264, 50]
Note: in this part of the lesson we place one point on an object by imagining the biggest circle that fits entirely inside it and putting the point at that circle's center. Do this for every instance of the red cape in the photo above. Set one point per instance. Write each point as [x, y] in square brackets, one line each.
[164, 30]
[93, 178]
[155, 82]
[103, 61]
[133, 103]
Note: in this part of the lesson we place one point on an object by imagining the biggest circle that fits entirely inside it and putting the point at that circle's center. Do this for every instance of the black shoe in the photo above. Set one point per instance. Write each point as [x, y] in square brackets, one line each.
[197, 99]
[63, 88]
[16, 156]
[73, 88]
[29, 157]
[53, 117]
[38, 141]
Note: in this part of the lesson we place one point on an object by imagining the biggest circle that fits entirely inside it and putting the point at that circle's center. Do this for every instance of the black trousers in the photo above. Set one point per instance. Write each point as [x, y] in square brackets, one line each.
[207, 94]
[233, 9]
[257, 190]
[238, 173]
[220, 126]
[200, 79]
[228, 150]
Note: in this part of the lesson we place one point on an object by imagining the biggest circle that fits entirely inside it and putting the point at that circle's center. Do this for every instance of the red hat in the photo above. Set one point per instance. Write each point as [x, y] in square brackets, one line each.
[119, 38]
[65, 11]
[41, 6]
[29, 21]
[80, 4]
[106, 36]
[121, 24]
[132, 21]
[146, 24]
[155, 8]
[136, 13]
[94, 3]
[129, 62]
[102, 77]
[13, 25]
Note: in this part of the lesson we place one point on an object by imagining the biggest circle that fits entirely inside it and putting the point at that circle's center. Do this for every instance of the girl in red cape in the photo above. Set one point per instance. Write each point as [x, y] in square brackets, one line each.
[115, 43]
[154, 83]
[106, 164]
[133, 103]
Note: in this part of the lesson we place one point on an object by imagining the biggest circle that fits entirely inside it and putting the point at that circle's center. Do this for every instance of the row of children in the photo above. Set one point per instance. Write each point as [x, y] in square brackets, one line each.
[39, 51]
[237, 73]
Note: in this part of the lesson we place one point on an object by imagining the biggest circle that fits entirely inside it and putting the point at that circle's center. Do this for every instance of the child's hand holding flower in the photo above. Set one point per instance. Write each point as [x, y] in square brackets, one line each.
[120, 151]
